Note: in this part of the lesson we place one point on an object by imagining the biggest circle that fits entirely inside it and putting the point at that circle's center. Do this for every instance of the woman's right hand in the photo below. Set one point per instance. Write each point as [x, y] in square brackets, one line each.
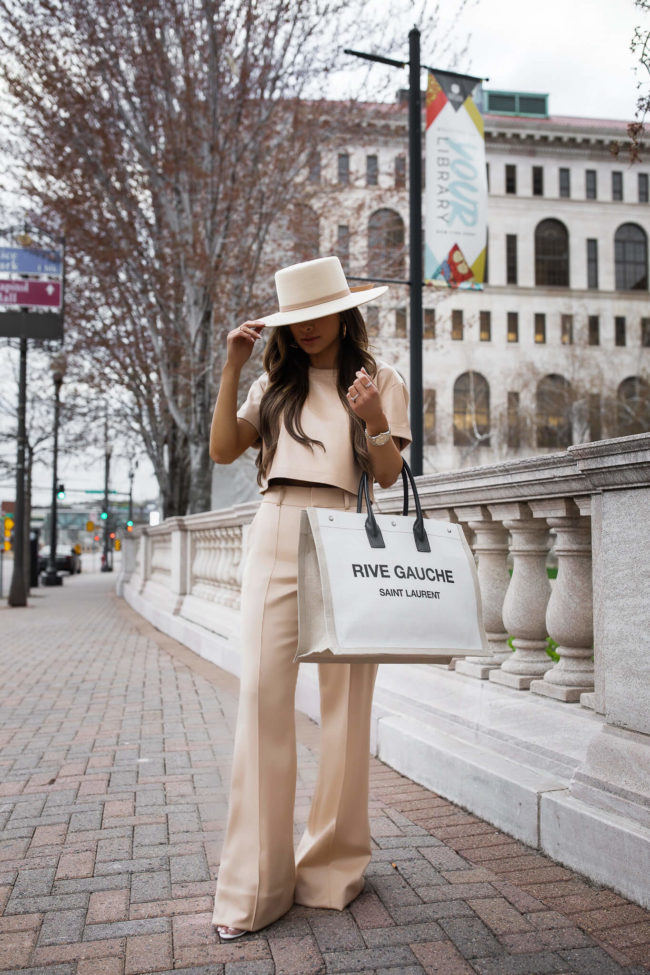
[240, 342]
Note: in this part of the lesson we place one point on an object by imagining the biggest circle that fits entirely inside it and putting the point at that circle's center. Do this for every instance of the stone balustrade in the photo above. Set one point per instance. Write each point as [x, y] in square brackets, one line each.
[582, 725]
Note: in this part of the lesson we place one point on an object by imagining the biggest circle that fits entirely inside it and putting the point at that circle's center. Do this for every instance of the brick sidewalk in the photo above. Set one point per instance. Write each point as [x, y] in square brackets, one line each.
[115, 745]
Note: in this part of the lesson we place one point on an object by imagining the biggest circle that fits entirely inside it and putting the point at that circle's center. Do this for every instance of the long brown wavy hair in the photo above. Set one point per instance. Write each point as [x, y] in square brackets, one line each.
[287, 367]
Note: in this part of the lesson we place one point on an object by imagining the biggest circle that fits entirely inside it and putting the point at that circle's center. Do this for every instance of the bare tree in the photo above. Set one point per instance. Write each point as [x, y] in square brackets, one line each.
[166, 138]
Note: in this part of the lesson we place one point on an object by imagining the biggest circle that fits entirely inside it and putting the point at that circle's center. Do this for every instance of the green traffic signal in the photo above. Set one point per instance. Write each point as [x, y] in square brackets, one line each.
[61, 492]
[104, 515]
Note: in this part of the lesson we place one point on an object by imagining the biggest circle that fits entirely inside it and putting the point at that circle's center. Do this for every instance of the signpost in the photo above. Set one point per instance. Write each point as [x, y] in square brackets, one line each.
[30, 293]
[32, 275]
[21, 260]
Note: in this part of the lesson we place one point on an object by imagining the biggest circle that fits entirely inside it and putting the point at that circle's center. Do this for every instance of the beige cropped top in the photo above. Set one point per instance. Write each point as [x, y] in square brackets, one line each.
[325, 418]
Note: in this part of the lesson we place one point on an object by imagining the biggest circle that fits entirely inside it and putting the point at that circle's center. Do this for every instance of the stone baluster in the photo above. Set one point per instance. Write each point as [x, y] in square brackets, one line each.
[524, 607]
[491, 546]
[569, 614]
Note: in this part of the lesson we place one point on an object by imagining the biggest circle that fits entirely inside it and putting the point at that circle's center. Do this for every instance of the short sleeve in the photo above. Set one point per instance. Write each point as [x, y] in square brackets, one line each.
[250, 408]
[395, 401]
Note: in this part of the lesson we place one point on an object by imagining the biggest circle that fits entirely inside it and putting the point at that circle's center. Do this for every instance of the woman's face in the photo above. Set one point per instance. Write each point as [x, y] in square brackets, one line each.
[320, 339]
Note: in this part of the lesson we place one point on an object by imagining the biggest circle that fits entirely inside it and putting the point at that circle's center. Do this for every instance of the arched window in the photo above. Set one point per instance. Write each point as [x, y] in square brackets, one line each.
[553, 413]
[471, 410]
[631, 258]
[633, 407]
[305, 233]
[552, 254]
[386, 254]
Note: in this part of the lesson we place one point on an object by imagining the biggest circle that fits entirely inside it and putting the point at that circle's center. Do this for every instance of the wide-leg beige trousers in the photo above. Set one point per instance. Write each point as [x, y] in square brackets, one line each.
[260, 877]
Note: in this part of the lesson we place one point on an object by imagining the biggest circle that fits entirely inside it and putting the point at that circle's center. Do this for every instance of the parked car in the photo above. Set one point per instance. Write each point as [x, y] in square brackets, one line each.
[67, 560]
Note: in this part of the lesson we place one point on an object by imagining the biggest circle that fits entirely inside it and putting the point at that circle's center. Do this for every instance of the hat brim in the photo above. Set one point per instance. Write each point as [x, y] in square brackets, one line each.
[353, 300]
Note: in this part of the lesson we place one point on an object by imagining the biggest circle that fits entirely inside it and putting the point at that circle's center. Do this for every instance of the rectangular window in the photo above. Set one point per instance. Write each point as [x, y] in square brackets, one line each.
[619, 330]
[617, 185]
[643, 187]
[592, 262]
[372, 170]
[400, 172]
[314, 168]
[457, 325]
[371, 315]
[344, 168]
[645, 333]
[513, 326]
[511, 179]
[514, 435]
[485, 326]
[540, 329]
[567, 330]
[590, 184]
[429, 404]
[400, 323]
[595, 422]
[343, 245]
[538, 181]
[594, 330]
[565, 183]
[429, 324]
[511, 258]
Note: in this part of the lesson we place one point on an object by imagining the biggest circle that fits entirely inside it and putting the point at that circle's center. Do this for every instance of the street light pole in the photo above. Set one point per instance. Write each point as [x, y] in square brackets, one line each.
[415, 251]
[18, 589]
[106, 564]
[415, 237]
[52, 578]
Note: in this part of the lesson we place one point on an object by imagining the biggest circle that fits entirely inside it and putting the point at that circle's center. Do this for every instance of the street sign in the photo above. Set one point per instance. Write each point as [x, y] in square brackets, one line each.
[31, 294]
[90, 526]
[31, 324]
[22, 260]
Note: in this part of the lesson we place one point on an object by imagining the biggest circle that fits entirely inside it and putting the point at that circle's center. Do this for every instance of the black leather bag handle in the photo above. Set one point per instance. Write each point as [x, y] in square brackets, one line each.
[373, 531]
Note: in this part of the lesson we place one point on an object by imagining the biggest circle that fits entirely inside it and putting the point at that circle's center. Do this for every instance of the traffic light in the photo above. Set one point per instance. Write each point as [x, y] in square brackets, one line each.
[61, 492]
[104, 515]
[112, 535]
[129, 526]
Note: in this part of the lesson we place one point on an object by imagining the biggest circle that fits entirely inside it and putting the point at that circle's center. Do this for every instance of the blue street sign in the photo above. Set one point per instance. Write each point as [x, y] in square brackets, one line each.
[23, 260]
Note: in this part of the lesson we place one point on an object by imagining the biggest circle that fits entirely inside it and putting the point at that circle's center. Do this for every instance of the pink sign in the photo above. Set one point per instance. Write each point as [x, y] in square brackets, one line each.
[31, 294]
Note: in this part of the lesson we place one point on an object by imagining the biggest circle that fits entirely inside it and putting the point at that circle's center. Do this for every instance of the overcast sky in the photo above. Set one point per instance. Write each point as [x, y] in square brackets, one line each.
[577, 51]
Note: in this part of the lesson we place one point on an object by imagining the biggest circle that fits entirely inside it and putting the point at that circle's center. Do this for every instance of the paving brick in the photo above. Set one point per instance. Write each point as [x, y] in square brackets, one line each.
[540, 940]
[441, 958]
[148, 953]
[358, 961]
[101, 966]
[591, 961]
[539, 963]
[472, 938]
[108, 905]
[16, 948]
[404, 934]
[334, 931]
[500, 916]
[629, 935]
[369, 912]
[75, 865]
[295, 956]
[62, 927]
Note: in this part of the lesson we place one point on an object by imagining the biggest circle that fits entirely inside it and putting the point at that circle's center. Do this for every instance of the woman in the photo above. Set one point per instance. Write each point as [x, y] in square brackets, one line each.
[323, 411]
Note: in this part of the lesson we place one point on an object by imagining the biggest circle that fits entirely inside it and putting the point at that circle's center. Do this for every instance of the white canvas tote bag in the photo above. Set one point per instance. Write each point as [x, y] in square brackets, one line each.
[385, 588]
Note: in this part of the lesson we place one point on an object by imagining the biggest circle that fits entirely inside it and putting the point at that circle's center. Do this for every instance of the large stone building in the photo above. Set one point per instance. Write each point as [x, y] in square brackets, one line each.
[556, 348]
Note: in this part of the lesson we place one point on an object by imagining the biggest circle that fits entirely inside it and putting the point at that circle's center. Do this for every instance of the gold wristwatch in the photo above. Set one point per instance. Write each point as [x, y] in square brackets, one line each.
[379, 439]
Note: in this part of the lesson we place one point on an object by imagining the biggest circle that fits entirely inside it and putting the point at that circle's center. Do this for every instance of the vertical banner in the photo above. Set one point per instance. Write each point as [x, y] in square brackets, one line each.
[456, 183]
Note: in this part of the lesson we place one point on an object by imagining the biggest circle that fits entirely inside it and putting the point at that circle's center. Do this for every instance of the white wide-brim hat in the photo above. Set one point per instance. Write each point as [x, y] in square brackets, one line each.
[314, 289]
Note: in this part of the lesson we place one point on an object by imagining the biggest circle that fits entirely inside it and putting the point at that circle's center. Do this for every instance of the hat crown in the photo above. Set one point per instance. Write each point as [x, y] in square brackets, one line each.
[310, 283]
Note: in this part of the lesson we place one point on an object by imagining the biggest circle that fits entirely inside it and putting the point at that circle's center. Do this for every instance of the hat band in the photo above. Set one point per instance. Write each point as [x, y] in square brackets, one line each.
[316, 301]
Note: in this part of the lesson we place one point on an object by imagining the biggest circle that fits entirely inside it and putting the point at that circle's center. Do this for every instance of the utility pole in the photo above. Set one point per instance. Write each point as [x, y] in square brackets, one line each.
[107, 561]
